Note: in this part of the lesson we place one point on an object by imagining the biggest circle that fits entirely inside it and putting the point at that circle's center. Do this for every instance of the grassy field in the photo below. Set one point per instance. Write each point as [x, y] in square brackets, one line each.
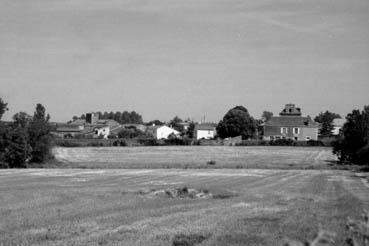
[120, 207]
[196, 157]
[275, 194]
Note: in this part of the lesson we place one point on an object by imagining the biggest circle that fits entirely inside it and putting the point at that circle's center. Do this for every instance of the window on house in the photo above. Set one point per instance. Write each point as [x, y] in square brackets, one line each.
[296, 130]
[308, 138]
[284, 130]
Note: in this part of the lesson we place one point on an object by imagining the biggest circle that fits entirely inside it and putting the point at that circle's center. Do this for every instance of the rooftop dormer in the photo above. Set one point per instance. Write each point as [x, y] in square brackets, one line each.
[290, 110]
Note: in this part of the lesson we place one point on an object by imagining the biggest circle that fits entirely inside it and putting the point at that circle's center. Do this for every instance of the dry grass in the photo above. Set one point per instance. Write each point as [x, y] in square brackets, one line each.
[271, 157]
[104, 207]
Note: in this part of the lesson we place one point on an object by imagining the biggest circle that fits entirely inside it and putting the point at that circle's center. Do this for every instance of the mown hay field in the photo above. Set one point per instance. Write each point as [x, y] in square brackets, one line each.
[196, 157]
[126, 207]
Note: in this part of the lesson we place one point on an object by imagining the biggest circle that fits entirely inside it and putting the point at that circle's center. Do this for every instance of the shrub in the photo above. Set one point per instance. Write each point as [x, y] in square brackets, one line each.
[189, 240]
[211, 162]
[148, 141]
[363, 155]
[120, 143]
[282, 142]
[252, 143]
[315, 143]
[66, 143]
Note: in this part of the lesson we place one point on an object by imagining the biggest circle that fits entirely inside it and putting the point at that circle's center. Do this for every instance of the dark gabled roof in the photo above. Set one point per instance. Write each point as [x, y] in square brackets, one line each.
[206, 127]
[291, 121]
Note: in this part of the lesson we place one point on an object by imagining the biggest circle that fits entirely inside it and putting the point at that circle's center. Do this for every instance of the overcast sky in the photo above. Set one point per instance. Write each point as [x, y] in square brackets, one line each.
[190, 58]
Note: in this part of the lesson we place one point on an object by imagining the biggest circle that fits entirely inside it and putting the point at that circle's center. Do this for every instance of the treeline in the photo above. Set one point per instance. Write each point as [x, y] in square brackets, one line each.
[124, 117]
[26, 139]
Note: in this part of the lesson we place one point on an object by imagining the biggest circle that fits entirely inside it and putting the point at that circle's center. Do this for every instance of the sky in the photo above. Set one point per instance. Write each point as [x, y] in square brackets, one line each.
[191, 58]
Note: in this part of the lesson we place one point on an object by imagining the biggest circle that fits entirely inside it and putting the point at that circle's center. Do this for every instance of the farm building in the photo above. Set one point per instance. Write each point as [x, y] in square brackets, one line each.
[290, 124]
[101, 131]
[162, 132]
[205, 131]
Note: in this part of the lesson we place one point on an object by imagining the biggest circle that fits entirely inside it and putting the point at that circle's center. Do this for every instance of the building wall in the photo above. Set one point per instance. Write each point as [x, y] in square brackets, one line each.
[164, 132]
[92, 118]
[303, 133]
[207, 134]
[104, 131]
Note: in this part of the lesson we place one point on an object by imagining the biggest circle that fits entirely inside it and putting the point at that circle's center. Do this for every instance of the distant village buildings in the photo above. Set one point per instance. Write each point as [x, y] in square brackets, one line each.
[290, 124]
[91, 127]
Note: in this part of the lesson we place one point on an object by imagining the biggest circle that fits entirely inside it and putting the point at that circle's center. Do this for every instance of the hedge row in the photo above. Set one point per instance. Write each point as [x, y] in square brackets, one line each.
[155, 142]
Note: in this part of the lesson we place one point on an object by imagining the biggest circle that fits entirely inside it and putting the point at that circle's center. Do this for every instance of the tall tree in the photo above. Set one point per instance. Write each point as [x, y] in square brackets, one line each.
[237, 122]
[39, 135]
[3, 107]
[353, 146]
[326, 122]
[176, 124]
[191, 130]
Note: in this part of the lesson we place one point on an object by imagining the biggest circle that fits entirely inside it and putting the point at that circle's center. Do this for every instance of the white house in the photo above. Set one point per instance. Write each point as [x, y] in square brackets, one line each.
[101, 131]
[162, 132]
[205, 131]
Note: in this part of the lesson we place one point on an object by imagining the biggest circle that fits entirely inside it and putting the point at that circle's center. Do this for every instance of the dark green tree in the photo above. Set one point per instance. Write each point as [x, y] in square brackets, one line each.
[17, 149]
[326, 122]
[353, 145]
[191, 130]
[155, 122]
[3, 134]
[39, 135]
[3, 107]
[237, 122]
[175, 123]
[22, 119]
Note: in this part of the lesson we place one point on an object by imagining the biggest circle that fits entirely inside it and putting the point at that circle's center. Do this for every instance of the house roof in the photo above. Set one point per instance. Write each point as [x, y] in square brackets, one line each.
[291, 121]
[206, 127]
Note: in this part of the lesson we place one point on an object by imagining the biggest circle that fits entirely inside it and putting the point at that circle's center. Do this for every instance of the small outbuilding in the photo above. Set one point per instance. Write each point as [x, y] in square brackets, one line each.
[205, 131]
